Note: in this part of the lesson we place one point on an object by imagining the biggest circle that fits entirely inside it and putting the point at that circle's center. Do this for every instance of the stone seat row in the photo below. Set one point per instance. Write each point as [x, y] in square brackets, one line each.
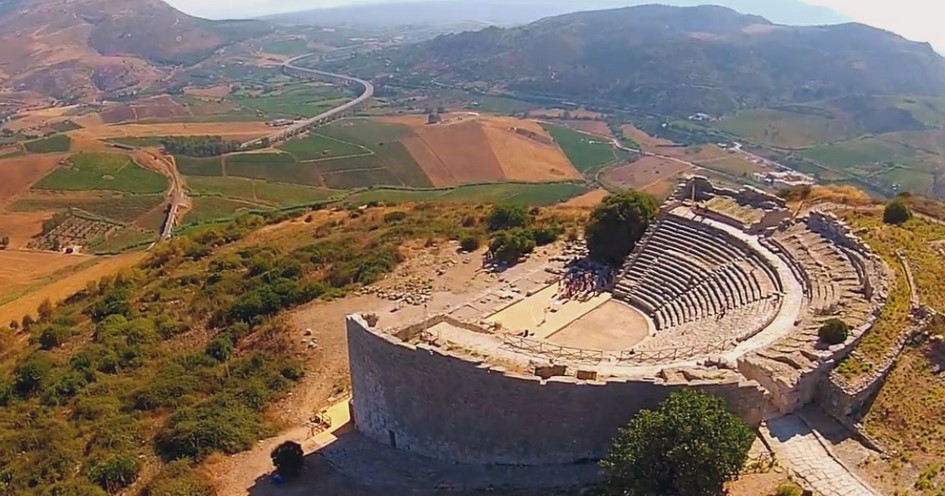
[684, 274]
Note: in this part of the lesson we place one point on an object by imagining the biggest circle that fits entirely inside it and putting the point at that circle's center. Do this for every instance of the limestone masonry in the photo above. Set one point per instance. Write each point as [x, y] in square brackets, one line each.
[725, 293]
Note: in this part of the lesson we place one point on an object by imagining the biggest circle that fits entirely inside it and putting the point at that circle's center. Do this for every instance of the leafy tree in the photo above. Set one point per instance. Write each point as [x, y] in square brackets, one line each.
[75, 488]
[507, 217]
[834, 331]
[618, 223]
[289, 459]
[897, 212]
[690, 445]
[28, 322]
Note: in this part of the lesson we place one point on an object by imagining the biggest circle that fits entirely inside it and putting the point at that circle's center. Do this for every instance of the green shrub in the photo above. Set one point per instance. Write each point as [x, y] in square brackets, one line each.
[469, 243]
[289, 459]
[196, 432]
[179, 479]
[115, 472]
[221, 348]
[510, 246]
[507, 217]
[897, 212]
[789, 490]
[31, 374]
[391, 217]
[834, 331]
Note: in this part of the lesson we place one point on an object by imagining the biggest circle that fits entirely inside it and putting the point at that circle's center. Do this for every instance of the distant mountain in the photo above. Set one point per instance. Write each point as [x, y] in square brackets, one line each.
[85, 49]
[668, 60]
[513, 12]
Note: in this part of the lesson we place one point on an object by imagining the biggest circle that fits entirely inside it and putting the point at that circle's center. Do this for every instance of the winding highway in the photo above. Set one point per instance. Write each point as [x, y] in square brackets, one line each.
[298, 128]
[177, 195]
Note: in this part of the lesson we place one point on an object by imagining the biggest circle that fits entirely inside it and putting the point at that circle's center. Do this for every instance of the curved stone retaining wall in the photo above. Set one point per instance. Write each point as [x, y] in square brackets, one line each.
[438, 404]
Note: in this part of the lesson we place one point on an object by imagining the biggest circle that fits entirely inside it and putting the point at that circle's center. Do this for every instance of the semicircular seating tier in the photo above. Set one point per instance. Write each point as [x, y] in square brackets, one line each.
[688, 270]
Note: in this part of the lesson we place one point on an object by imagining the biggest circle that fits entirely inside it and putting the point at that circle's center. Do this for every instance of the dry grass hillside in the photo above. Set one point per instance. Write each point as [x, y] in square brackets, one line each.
[81, 49]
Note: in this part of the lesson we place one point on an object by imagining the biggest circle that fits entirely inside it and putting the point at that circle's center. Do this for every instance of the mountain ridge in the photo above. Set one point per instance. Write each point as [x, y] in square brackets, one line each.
[672, 60]
[88, 49]
[514, 12]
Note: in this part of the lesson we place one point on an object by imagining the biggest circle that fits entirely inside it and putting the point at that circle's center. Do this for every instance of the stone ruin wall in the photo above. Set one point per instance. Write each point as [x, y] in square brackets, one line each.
[702, 189]
[448, 406]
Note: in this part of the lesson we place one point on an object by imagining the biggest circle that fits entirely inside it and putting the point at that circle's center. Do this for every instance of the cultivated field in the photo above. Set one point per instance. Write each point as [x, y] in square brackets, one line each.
[98, 171]
[259, 192]
[228, 130]
[505, 193]
[320, 147]
[57, 287]
[114, 206]
[786, 129]
[157, 108]
[18, 174]
[20, 269]
[52, 144]
[589, 153]
[651, 174]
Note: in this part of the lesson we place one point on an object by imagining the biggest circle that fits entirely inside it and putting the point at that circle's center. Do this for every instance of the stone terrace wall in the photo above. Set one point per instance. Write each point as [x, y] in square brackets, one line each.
[701, 188]
[831, 227]
[437, 404]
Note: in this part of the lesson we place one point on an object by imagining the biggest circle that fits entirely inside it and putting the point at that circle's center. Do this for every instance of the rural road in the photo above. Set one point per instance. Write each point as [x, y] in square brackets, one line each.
[177, 194]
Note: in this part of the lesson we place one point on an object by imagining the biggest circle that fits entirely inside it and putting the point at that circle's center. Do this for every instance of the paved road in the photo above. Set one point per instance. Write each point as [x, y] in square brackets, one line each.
[292, 69]
[800, 449]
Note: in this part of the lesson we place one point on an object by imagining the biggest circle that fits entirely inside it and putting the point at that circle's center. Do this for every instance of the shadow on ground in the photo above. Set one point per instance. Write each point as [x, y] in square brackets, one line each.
[353, 465]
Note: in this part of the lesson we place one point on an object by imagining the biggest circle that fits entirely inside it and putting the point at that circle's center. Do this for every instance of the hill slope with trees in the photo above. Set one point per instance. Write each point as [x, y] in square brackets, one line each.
[666, 60]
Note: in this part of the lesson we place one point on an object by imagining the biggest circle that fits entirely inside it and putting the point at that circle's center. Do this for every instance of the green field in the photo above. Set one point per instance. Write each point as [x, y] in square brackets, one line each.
[298, 100]
[190, 166]
[103, 171]
[263, 192]
[356, 153]
[276, 167]
[585, 151]
[123, 239]
[316, 146]
[366, 132]
[49, 144]
[208, 208]
[505, 193]
[857, 153]
[121, 208]
[65, 126]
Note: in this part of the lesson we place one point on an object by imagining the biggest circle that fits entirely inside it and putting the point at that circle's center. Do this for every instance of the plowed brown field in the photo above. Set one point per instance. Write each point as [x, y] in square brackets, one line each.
[464, 150]
[21, 227]
[651, 174]
[18, 174]
[469, 148]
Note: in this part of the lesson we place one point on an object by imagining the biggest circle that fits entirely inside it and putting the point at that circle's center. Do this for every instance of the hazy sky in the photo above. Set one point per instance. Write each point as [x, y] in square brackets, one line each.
[913, 19]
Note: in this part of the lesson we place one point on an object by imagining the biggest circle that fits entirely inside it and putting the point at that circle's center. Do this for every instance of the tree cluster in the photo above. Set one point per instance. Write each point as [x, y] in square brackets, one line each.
[199, 146]
[618, 223]
[516, 233]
